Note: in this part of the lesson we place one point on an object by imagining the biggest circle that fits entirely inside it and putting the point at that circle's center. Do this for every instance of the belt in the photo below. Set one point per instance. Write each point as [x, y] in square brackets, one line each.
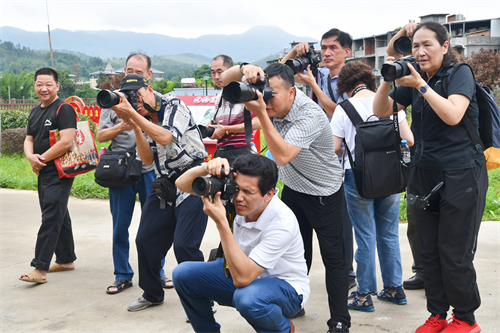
[231, 147]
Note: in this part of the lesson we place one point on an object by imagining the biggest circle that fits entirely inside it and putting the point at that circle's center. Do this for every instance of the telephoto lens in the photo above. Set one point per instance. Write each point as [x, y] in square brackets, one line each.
[107, 98]
[205, 186]
[392, 71]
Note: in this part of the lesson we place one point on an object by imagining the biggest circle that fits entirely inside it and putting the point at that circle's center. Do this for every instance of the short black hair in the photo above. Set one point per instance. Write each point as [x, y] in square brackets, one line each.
[47, 71]
[344, 39]
[148, 59]
[227, 61]
[258, 166]
[283, 71]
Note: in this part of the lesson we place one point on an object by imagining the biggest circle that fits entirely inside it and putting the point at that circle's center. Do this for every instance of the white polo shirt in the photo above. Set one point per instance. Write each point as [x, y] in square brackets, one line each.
[274, 243]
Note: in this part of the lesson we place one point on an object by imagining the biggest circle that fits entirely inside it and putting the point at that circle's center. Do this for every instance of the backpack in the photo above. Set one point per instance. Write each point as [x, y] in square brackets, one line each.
[487, 141]
[379, 169]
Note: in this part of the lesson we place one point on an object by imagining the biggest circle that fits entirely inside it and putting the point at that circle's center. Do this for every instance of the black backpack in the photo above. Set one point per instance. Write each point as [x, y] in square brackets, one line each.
[488, 138]
[379, 169]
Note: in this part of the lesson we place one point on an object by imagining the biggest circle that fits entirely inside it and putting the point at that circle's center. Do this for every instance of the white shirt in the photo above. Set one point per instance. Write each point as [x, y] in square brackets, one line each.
[274, 242]
[342, 126]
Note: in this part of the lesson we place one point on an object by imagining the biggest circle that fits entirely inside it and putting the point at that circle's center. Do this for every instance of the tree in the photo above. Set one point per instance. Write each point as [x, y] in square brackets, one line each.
[112, 82]
[67, 87]
[486, 66]
[199, 72]
[86, 92]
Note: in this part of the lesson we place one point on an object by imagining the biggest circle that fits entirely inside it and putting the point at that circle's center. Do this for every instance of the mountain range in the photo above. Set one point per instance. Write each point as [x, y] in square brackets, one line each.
[256, 44]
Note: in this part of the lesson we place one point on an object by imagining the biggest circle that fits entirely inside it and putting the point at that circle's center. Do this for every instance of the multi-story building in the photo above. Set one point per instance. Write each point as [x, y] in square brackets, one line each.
[466, 37]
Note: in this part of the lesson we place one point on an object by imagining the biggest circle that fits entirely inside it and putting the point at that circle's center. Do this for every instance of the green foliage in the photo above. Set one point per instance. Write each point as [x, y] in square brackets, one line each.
[86, 92]
[67, 87]
[19, 85]
[13, 119]
[13, 141]
[199, 72]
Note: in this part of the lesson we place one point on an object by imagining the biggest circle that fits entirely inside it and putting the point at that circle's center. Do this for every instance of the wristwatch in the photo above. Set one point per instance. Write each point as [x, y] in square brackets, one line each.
[423, 89]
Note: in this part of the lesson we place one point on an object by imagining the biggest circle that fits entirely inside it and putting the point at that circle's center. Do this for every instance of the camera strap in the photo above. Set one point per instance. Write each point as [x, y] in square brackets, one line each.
[230, 215]
[330, 90]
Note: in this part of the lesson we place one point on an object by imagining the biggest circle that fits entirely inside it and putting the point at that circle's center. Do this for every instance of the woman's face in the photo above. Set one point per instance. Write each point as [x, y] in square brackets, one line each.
[428, 51]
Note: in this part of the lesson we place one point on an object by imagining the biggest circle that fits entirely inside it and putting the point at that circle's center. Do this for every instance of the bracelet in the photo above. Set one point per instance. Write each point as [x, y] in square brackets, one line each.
[225, 128]
[241, 67]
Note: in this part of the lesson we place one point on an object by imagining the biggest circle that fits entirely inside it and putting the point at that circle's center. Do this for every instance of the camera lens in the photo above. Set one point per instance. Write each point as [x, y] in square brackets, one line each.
[402, 45]
[237, 92]
[107, 98]
[206, 185]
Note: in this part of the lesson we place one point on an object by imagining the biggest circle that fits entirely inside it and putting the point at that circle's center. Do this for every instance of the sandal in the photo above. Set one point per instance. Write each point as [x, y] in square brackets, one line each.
[33, 277]
[164, 280]
[120, 285]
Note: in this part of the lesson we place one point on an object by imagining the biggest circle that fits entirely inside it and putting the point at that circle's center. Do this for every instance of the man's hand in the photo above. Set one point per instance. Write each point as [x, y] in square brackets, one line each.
[258, 107]
[37, 164]
[253, 73]
[214, 166]
[302, 48]
[214, 208]
[219, 131]
[307, 78]
[123, 109]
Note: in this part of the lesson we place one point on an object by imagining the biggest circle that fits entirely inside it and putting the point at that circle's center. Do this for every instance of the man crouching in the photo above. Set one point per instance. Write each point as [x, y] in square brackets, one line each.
[264, 253]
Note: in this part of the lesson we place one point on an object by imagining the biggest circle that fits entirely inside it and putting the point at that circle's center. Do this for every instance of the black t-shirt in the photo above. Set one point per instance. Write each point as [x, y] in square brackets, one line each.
[445, 147]
[42, 120]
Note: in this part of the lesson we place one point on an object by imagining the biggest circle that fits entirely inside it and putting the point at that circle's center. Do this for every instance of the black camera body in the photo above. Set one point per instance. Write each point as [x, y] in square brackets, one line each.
[207, 131]
[399, 68]
[300, 64]
[210, 185]
[107, 98]
[240, 92]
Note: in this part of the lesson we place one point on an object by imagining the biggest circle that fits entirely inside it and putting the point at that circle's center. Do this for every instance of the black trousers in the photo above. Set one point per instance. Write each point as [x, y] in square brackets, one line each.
[324, 215]
[348, 237]
[232, 154]
[448, 232]
[55, 234]
[184, 226]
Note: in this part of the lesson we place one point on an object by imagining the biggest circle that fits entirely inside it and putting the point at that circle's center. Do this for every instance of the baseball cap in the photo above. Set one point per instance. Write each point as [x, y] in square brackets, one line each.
[133, 82]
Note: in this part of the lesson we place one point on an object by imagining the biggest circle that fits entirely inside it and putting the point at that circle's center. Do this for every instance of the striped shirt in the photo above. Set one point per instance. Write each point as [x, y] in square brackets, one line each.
[236, 112]
[316, 169]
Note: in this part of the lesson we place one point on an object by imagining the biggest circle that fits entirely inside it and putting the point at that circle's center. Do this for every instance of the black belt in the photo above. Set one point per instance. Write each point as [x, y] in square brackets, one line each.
[231, 148]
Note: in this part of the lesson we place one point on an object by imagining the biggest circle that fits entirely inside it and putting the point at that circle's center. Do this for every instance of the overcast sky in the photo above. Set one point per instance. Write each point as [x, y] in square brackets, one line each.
[192, 19]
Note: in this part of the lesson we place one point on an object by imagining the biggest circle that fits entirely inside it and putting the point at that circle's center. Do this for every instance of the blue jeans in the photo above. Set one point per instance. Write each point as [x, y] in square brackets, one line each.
[122, 203]
[266, 303]
[376, 224]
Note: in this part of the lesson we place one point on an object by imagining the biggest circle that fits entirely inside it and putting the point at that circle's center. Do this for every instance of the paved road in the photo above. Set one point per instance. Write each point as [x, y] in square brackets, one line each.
[76, 301]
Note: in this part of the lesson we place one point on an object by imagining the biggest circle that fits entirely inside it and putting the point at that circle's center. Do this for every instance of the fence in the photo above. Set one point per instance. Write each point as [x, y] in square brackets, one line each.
[26, 104]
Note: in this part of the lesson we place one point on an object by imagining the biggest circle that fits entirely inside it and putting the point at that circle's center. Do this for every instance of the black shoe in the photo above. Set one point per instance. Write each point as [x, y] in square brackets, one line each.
[338, 328]
[352, 283]
[301, 313]
[413, 283]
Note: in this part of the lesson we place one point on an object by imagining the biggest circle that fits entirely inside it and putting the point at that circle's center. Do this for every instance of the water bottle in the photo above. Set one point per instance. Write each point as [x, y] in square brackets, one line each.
[405, 152]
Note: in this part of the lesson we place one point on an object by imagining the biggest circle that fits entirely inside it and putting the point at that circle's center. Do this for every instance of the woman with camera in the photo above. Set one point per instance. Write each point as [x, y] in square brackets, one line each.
[375, 221]
[444, 152]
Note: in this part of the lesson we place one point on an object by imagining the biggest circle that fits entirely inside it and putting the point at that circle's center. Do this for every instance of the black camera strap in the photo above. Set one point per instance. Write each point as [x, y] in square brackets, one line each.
[230, 215]
[330, 90]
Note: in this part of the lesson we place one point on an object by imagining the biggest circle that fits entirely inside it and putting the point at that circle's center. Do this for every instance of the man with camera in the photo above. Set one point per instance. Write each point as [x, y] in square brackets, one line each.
[228, 126]
[335, 47]
[122, 199]
[301, 141]
[173, 143]
[268, 280]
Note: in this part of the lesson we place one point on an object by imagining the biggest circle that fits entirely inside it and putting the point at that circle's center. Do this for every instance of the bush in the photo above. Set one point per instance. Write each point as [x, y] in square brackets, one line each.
[13, 141]
[13, 119]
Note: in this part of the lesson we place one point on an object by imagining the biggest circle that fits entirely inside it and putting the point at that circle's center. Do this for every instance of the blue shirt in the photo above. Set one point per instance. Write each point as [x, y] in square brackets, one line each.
[323, 85]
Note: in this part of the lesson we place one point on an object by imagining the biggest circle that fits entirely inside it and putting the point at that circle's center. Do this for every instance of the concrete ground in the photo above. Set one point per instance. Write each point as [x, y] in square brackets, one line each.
[76, 301]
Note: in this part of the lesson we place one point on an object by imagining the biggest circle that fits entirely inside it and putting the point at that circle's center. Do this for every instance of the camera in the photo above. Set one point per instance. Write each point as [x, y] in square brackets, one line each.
[402, 45]
[108, 98]
[207, 131]
[240, 92]
[210, 185]
[300, 64]
[399, 68]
